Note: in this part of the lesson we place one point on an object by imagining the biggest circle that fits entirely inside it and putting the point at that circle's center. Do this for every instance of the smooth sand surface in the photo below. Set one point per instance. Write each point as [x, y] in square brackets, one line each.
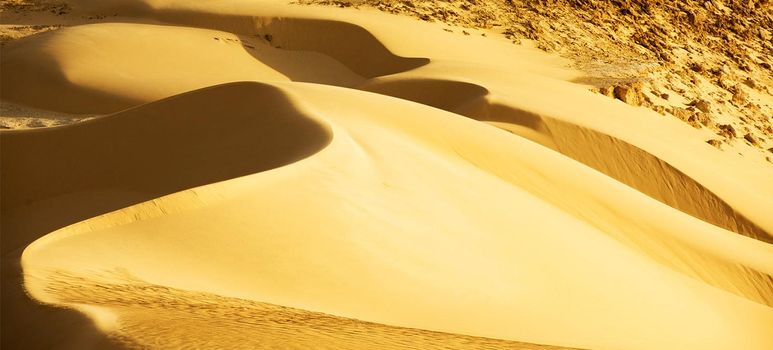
[283, 176]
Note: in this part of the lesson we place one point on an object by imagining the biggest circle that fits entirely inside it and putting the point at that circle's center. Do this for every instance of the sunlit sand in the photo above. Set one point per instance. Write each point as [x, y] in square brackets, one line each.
[253, 174]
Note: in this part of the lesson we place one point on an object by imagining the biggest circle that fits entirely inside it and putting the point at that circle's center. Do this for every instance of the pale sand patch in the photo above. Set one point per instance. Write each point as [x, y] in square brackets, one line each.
[15, 116]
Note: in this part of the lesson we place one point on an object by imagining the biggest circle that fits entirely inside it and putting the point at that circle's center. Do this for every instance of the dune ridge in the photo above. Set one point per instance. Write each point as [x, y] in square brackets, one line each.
[457, 140]
[603, 152]
[237, 137]
[279, 179]
[234, 322]
[704, 204]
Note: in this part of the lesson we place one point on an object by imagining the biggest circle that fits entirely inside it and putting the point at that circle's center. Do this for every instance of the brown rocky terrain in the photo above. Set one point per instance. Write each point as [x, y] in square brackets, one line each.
[13, 9]
[264, 174]
[707, 63]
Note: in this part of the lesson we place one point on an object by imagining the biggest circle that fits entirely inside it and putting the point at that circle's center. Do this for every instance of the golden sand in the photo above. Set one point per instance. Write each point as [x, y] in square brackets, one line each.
[265, 175]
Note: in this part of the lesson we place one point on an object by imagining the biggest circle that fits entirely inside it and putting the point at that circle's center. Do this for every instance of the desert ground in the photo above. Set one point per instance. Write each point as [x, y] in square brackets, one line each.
[275, 174]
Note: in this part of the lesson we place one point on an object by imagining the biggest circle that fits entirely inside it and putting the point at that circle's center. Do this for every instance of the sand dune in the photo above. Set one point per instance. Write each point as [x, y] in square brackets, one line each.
[249, 130]
[270, 175]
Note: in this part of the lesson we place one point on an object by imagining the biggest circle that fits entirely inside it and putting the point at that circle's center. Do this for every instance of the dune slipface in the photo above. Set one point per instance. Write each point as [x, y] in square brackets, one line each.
[266, 175]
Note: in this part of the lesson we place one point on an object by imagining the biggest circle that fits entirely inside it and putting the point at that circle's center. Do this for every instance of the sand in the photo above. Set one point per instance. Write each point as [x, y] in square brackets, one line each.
[255, 174]
[704, 63]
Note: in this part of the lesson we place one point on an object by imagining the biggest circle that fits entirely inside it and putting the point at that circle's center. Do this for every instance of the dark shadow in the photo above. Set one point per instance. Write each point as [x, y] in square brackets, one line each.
[22, 77]
[300, 66]
[616, 158]
[349, 44]
[467, 99]
[59, 176]
[454, 96]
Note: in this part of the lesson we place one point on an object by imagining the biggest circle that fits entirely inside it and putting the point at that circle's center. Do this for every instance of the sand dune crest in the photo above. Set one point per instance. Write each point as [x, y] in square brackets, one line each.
[251, 128]
[269, 175]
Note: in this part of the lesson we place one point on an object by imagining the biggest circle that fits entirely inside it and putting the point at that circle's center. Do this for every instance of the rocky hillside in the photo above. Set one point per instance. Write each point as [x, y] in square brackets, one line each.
[707, 63]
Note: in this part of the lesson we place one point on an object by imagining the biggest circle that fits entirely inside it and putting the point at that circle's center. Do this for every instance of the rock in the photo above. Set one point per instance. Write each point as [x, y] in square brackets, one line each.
[702, 105]
[739, 98]
[697, 119]
[725, 82]
[749, 137]
[704, 119]
[681, 113]
[716, 143]
[627, 94]
[765, 34]
[727, 131]
[696, 18]
[608, 91]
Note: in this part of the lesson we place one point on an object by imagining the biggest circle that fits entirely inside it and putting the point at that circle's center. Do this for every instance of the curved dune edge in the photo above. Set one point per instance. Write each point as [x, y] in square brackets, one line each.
[141, 315]
[53, 64]
[251, 128]
[681, 241]
[370, 186]
[608, 154]
[290, 35]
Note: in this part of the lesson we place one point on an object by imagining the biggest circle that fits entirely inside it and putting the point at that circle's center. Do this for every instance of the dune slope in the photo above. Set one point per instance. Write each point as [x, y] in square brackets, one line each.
[285, 176]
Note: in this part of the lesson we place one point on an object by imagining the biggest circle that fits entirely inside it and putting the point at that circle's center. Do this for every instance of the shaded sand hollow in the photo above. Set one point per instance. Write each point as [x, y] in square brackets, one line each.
[266, 175]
